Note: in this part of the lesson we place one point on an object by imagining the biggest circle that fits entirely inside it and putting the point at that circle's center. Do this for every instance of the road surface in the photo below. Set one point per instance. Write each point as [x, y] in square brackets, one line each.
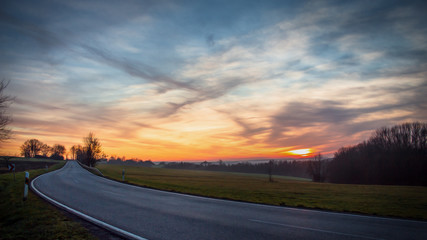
[151, 214]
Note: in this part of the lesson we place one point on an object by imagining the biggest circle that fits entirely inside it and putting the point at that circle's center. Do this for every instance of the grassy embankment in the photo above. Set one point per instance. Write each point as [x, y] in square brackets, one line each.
[34, 218]
[395, 201]
[24, 164]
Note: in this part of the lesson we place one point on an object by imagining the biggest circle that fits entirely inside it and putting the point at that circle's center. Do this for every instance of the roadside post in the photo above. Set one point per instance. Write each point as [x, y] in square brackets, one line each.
[123, 175]
[11, 167]
[27, 182]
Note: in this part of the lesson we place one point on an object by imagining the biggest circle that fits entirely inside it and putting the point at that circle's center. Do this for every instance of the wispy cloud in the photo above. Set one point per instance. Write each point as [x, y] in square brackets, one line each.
[140, 70]
[254, 79]
[45, 38]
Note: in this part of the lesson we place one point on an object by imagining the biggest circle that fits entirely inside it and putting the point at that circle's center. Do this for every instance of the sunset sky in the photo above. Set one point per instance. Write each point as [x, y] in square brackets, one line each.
[199, 80]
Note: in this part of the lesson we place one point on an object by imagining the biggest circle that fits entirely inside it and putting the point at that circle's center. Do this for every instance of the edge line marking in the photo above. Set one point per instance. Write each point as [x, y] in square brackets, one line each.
[314, 229]
[84, 216]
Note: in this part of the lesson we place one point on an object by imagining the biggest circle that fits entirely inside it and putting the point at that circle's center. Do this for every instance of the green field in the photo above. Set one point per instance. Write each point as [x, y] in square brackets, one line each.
[18, 159]
[395, 201]
[34, 218]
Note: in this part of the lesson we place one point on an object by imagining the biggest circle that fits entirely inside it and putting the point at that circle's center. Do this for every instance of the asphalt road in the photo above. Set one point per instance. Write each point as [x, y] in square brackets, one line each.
[153, 214]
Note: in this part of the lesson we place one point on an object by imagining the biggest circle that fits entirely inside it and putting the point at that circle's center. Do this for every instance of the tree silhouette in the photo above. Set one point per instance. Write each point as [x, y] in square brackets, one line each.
[31, 148]
[396, 155]
[5, 119]
[45, 150]
[317, 168]
[80, 153]
[73, 151]
[270, 170]
[58, 152]
[92, 149]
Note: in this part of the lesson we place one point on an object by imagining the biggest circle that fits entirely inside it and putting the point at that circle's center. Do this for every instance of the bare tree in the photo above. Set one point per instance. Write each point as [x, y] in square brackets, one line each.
[73, 151]
[45, 150]
[317, 168]
[58, 152]
[270, 170]
[31, 148]
[92, 148]
[5, 119]
[392, 155]
[80, 153]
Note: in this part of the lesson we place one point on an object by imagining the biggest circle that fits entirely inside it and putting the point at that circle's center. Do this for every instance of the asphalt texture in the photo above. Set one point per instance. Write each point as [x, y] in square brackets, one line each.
[153, 214]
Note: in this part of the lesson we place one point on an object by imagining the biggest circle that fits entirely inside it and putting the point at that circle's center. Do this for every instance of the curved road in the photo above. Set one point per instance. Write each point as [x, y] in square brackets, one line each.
[150, 214]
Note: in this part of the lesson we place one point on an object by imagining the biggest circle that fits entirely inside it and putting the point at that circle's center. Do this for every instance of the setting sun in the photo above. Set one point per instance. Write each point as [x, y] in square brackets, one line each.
[152, 87]
[302, 152]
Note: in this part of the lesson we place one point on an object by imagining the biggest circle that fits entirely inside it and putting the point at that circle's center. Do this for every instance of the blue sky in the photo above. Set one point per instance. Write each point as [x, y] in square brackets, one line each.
[186, 80]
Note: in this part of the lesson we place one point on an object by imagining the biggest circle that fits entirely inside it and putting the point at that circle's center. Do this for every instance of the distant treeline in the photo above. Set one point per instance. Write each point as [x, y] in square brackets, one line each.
[130, 162]
[34, 148]
[396, 155]
[285, 168]
[392, 156]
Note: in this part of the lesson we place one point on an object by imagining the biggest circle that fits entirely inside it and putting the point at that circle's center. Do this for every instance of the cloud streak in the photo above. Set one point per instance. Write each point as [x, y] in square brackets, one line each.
[204, 82]
[139, 70]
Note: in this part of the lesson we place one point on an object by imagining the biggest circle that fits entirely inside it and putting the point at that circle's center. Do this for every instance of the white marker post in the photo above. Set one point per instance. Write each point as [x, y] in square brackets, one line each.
[123, 175]
[27, 182]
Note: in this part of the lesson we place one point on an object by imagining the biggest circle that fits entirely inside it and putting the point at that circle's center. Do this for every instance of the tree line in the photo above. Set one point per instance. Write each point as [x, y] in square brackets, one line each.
[391, 156]
[35, 148]
[89, 153]
[396, 155]
[130, 162]
[5, 118]
[272, 167]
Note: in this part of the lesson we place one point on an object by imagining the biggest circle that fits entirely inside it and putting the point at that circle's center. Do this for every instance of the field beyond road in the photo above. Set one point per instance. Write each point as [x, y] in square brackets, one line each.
[390, 201]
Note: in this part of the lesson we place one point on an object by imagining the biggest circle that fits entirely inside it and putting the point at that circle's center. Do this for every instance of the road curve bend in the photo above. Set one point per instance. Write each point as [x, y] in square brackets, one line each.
[141, 213]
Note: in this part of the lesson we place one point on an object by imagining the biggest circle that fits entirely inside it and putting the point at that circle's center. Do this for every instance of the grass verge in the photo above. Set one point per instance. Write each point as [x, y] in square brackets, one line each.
[91, 169]
[18, 159]
[34, 218]
[390, 201]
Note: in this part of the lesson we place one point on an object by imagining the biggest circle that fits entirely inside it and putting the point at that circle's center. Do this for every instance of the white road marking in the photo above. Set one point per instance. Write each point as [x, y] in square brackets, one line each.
[254, 205]
[314, 229]
[111, 193]
[86, 217]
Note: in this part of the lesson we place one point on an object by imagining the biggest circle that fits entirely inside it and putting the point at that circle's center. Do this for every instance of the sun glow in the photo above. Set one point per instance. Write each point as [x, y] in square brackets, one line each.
[301, 152]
